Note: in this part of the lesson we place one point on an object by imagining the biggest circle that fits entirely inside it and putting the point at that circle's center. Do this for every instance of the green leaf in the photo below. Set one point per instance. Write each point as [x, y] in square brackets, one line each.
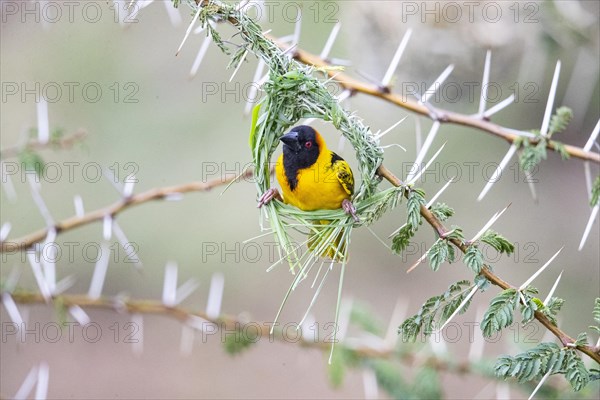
[402, 239]
[500, 313]
[560, 120]
[364, 317]
[442, 211]
[240, 340]
[532, 155]
[595, 192]
[255, 114]
[390, 378]
[498, 242]
[425, 320]
[32, 161]
[545, 358]
[552, 308]
[561, 149]
[473, 259]
[416, 198]
[437, 254]
[582, 339]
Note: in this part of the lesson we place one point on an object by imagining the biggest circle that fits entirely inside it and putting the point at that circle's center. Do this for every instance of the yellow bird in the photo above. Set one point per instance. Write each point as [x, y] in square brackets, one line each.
[311, 176]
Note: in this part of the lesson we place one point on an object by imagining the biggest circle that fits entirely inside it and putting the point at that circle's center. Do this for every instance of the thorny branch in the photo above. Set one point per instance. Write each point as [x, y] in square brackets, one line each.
[443, 116]
[65, 142]
[24, 242]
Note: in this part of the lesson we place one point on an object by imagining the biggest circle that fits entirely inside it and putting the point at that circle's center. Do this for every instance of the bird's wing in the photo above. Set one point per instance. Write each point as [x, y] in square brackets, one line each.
[343, 173]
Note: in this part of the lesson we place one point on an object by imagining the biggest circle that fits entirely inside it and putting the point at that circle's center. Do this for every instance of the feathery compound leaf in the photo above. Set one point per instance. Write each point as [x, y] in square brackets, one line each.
[500, 313]
[424, 321]
[552, 308]
[438, 253]
[442, 211]
[561, 149]
[498, 242]
[560, 120]
[473, 259]
[240, 340]
[32, 161]
[416, 198]
[595, 192]
[402, 239]
[545, 358]
[596, 312]
[532, 155]
[528, 310]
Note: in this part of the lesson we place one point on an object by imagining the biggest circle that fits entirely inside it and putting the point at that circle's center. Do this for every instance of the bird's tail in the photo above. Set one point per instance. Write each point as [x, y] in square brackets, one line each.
[327, 241]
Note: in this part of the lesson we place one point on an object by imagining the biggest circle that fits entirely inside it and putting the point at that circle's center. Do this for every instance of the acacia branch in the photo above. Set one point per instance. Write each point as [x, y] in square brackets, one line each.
[29, 240]
[436, 224]
[65, 142]
[444, 116]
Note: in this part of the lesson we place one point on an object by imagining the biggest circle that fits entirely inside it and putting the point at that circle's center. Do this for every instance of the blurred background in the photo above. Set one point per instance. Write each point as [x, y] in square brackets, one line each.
[116, 76]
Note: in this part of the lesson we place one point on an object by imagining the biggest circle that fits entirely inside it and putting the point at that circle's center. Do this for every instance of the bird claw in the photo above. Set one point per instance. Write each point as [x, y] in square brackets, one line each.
[268, 196]
[350, 209]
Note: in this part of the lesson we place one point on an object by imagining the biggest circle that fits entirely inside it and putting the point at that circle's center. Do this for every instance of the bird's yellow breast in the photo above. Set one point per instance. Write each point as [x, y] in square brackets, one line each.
[317, 188]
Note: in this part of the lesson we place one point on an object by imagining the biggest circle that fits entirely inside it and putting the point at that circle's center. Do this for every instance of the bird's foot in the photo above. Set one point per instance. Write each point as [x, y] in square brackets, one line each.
[268, 196]
[350, 209]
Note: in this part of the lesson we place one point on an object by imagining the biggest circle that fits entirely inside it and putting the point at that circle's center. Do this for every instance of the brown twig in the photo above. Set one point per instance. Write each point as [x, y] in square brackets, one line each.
[565, 339]
[444, 116]
[28, 240]
[65, 142]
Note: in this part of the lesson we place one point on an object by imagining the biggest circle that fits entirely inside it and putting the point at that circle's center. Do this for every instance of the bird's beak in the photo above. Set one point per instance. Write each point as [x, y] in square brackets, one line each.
[290, 139]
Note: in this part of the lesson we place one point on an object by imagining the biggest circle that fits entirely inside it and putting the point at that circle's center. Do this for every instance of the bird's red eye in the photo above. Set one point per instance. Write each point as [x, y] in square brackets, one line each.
[308, 144]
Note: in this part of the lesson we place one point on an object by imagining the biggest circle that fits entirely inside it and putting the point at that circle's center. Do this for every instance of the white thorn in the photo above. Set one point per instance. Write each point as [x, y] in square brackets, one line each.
[592, 138]
[107, 223]
[330, 40]
[128, 247]
[388, 130]
[185, 290]
[174, 15]
[488, 224]
[99, 273]
[502, 391]
[587, 171]
[370, 384]
[398, 314]
[39, 201]
[344, 319]
[189, 29]
[39, 276]
[498, 172]
[439, 193]
[418, 134]
[550, 103]
[27, 384]
[170, 285]
[79, 315]
[128, 186]
[186, 344]
[215, 295]
[421, 156]
[588, 227]
[539, 385]
[297, 28]
[137, 341]
[42, 120]
[484, 82]
[12, 310]
[551, 292]
[49, 258]
[239, 65]
[436, 84]
[64, 284]
[200, 56]
[531, 185]
[7, 184]
[41, 389]
[419, 261]
[4, 231]
[539, 271]
[422, 171]
[78, 203]
[460, 306]
[500, 106]
[477, 345]
[396, 60]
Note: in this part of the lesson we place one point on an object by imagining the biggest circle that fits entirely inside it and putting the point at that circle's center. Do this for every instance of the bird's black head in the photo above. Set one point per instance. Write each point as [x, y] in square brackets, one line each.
[300, 147]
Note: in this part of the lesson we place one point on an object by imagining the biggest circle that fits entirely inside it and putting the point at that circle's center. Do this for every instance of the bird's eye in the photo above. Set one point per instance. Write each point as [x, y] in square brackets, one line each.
[308, 144]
